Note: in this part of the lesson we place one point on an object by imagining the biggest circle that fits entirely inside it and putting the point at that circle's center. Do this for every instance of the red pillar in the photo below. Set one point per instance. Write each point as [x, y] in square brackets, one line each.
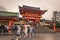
[35, 20]
[9, 25]
[12, 23]
[54, 26]
[28, 19]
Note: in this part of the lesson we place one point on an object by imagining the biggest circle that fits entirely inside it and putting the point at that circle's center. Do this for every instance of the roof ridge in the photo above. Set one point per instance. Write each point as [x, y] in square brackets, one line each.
[8, 12]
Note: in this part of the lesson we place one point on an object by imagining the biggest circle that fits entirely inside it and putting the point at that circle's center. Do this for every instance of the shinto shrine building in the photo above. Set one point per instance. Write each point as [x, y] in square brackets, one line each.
[31, 13]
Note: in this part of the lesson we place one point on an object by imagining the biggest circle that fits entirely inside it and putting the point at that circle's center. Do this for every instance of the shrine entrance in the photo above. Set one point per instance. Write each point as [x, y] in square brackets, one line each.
[31, 14]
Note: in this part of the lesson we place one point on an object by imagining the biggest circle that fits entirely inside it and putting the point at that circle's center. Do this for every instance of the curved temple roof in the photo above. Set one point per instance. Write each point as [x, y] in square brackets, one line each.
[29, 9]
[8, 14]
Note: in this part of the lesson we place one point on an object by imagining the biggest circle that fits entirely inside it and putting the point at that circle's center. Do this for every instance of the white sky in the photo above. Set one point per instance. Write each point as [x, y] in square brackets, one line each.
[50, 5]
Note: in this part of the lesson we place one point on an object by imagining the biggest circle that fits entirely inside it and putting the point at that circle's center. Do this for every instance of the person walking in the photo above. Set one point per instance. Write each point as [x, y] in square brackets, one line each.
[18, 32]
[25, 30]
[31, 31]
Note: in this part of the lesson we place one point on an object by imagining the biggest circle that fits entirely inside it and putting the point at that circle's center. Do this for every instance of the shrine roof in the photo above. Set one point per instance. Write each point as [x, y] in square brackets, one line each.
[8, 14]
[29, 9]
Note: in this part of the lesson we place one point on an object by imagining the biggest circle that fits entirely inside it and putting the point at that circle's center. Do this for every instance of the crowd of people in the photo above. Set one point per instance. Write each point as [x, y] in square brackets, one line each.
[3, 28]
[27, 29]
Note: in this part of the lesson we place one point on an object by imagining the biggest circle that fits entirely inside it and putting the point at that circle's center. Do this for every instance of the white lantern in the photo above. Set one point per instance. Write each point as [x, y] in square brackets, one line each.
[19, 15]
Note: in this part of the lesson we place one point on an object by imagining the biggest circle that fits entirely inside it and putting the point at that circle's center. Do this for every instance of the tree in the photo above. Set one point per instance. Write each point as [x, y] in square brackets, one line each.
[43, 20]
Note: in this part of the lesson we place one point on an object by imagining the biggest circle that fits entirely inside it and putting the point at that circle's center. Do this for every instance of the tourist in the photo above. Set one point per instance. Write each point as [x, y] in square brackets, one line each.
[25, 30]
[3, 27]
[0, 28]
[31, 31]
[6, 28]
[18, 32]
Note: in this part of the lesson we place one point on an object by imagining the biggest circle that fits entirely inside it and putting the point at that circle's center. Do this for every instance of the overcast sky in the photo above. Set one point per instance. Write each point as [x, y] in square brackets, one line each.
[50, 5]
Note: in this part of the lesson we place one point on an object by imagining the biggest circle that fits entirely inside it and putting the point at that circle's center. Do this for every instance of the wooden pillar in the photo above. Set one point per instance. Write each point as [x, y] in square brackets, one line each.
[28, 19]
[35, 20]
[12, 23]
[54, 26]
[9, 26]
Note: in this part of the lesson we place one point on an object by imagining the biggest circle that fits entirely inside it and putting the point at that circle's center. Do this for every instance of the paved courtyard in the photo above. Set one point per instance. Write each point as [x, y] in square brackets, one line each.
[38, 36]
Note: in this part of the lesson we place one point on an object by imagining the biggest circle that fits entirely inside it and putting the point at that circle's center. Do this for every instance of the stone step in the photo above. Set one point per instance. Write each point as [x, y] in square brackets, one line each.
[42, 29]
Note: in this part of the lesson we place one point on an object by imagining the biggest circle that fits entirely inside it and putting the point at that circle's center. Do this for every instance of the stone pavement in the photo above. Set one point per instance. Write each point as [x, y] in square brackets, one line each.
[38, 36]
[41, 33]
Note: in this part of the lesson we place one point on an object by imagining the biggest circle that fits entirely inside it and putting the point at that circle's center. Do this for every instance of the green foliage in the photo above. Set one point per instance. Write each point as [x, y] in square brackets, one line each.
[57, 24]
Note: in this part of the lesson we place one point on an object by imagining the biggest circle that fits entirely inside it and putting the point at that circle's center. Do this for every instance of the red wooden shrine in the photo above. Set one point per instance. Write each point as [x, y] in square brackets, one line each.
[31, 13]
[9, 20]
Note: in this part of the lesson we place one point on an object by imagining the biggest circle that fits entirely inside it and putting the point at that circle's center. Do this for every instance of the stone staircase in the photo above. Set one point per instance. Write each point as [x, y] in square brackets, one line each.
[41, 29]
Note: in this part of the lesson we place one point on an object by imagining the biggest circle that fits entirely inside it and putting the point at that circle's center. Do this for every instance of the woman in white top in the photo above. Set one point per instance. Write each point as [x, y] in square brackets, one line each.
[25, 30]
[18, 32]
